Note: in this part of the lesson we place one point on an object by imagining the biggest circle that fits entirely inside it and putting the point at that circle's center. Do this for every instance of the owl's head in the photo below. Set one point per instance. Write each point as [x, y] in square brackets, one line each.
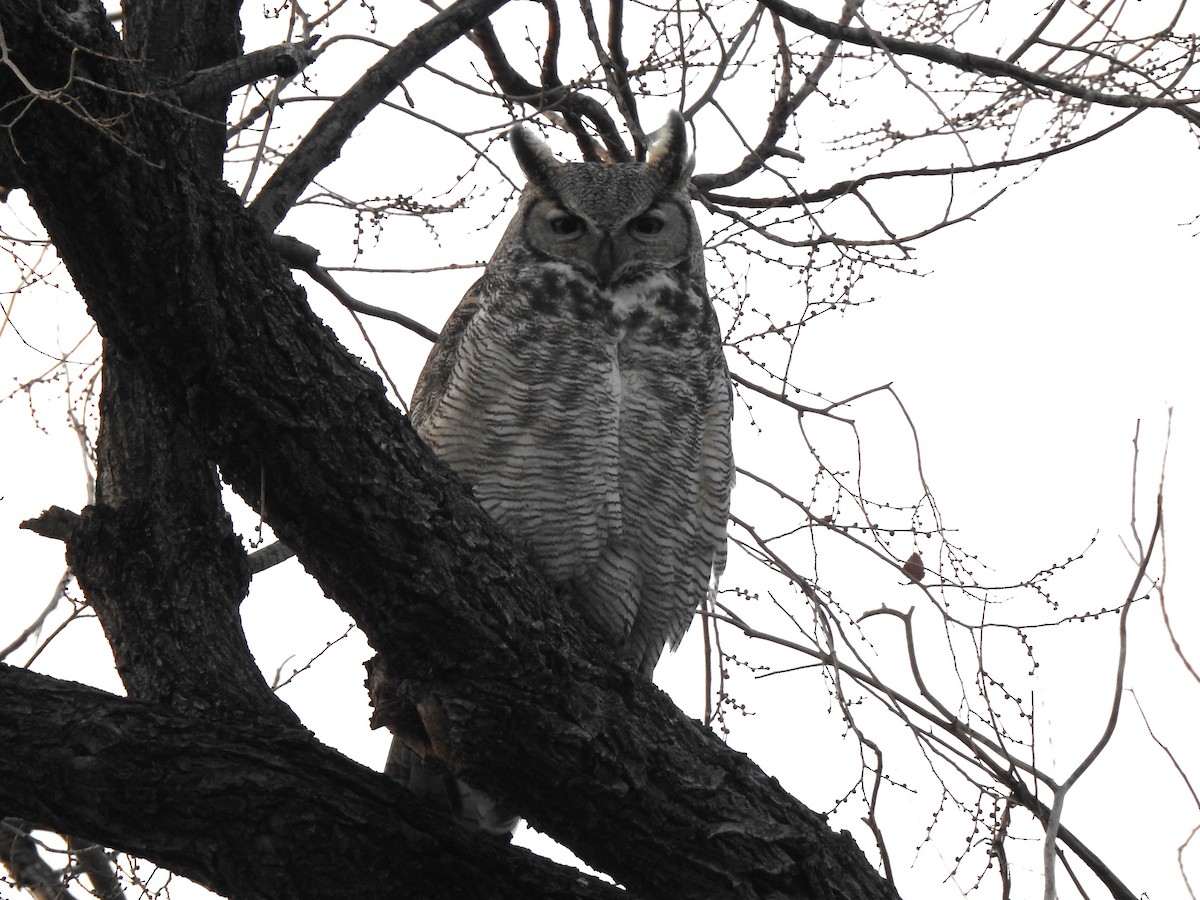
[612, 222]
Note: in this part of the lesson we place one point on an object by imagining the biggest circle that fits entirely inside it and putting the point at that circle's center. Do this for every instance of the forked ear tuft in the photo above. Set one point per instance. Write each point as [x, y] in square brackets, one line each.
[533, 155]
[667, 158]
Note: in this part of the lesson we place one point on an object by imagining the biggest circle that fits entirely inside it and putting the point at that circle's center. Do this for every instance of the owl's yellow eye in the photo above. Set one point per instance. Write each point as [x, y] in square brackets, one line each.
[566, 225]
[647, 224]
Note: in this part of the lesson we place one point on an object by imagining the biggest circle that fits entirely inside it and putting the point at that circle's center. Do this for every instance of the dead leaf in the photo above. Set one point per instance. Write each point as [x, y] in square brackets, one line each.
[914, 568]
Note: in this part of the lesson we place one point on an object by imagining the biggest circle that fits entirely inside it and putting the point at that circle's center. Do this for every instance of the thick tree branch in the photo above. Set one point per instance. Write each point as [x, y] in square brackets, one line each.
[323, 143]
[251, 812]
[159, 561]
[222, 80]
[172, 41]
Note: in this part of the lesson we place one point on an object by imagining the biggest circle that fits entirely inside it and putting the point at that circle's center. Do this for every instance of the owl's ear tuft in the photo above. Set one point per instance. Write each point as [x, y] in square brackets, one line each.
[667, 157]
[533, 155]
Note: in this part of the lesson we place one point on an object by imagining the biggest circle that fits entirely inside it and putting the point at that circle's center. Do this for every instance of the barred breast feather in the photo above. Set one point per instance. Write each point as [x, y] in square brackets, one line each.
[594, 427]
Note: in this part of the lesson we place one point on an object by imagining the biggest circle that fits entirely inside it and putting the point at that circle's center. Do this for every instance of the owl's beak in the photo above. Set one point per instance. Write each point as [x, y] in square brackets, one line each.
[604, 258]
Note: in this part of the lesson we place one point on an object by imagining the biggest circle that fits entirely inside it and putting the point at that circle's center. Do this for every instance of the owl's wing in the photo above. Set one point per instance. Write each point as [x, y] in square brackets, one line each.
[439, 366]
[716, 479]
[705, 560]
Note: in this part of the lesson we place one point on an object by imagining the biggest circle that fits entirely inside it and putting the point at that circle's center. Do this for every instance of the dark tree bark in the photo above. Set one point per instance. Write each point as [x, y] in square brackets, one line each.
[204, 772]
[248, 809]
[159, 562]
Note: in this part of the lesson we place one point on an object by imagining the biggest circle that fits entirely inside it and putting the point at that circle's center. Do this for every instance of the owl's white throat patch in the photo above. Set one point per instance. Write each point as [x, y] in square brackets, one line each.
[628, 298]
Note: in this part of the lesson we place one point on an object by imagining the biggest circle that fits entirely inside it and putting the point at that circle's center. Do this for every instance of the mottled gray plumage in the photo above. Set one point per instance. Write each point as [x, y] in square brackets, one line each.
[581, 389]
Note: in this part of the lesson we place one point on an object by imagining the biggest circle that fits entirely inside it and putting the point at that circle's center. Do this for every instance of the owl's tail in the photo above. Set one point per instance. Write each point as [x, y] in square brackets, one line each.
[458, 799]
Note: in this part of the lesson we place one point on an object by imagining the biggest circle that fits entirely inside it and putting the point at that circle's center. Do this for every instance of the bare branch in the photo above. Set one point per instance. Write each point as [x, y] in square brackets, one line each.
[552, 95]
[95, 862]
[323, 144]
[850, 186]
[616, 75]
[36, 625]
[1060, 794]
[19, 854]
[271, 555]
[302, 256]
[1037, 32]
[974, 62]
[786, 104]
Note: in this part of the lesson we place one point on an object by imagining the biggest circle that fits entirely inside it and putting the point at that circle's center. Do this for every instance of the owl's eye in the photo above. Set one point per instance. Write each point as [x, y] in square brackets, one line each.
[566, 225]
[647, 224]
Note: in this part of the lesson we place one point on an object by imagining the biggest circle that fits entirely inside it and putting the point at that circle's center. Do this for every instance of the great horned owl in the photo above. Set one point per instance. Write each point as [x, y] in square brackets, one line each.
[581, 389]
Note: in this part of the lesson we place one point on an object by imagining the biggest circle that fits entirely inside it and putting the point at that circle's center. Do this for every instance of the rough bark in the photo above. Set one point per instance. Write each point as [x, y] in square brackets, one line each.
[160, 563]
[183, 282]
[250, 810]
